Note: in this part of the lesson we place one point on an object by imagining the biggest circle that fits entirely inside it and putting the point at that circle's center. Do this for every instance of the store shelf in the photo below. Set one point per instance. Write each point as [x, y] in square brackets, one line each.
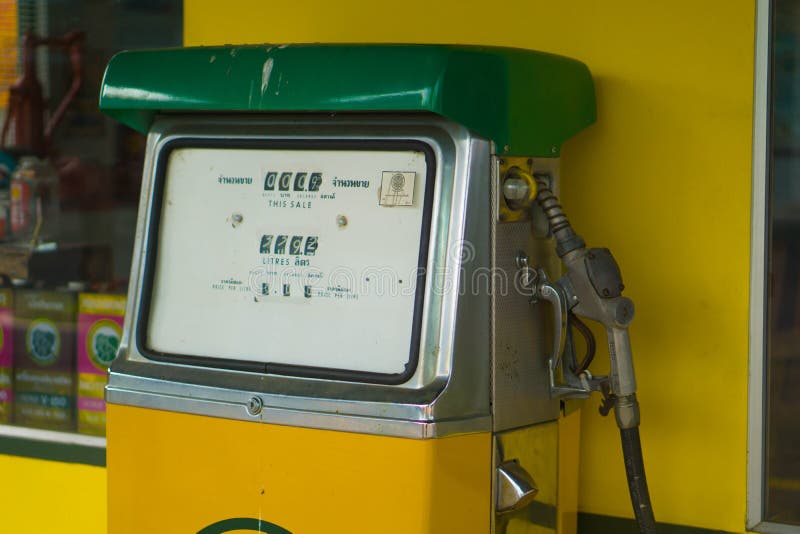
[51, 436]
[51, 445]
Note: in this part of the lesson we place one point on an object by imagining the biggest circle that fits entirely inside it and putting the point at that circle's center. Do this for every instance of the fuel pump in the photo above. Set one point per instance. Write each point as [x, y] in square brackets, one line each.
[340, 313]
[591, 288]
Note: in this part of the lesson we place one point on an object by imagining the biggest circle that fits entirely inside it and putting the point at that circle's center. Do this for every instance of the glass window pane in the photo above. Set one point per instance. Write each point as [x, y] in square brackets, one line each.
[782, 492]
[69, 188]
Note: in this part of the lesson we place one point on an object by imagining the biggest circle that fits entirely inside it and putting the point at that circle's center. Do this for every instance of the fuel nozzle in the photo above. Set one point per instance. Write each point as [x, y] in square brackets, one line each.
[592, 288]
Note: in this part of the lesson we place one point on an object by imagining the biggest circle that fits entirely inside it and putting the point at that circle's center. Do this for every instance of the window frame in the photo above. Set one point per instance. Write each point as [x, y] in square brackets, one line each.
[759, 243]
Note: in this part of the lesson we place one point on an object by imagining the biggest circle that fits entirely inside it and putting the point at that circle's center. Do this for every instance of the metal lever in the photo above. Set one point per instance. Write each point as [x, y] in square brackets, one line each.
[516, 488]
[571, 386]
[555, 296]
[541, 288]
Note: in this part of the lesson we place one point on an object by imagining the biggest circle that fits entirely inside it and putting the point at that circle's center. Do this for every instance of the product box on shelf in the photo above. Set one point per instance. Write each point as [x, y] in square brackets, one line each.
[44, 359]
[99, 331]
[6, 357]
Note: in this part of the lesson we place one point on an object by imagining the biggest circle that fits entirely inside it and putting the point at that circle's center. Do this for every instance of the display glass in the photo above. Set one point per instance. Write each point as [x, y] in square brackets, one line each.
[292, 256]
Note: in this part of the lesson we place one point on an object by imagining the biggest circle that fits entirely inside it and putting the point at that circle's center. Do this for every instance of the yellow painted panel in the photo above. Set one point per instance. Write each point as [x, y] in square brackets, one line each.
[171, 472]
[43, 497]
[663, 179]
[569, 434]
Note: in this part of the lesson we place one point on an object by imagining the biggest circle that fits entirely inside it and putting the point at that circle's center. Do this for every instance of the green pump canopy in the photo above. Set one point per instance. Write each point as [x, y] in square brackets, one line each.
[527, 102]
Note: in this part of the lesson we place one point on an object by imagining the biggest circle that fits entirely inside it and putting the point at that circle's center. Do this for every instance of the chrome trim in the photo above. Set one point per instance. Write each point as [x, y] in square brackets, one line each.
[227, 395]
[451, 382]
[279, 415]
[758, 229]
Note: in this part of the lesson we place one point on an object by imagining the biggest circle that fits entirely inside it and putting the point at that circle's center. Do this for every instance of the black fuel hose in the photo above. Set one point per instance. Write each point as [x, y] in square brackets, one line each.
[637, 482]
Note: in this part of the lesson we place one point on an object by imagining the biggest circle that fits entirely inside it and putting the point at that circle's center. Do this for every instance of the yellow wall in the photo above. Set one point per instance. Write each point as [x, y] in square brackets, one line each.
[663, 179]
[45, 497]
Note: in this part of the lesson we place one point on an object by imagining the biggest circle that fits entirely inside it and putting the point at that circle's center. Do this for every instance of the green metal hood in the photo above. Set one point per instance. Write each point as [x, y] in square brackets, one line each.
[527, 102]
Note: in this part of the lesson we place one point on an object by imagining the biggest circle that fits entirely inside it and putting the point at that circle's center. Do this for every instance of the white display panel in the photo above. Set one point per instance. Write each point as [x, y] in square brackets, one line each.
[289, 256]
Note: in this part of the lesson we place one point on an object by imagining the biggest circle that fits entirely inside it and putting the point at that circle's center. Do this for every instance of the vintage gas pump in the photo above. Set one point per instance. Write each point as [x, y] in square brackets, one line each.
[340, 317]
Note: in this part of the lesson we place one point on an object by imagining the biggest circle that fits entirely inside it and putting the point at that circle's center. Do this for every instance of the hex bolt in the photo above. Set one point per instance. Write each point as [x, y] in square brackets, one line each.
[255, 406]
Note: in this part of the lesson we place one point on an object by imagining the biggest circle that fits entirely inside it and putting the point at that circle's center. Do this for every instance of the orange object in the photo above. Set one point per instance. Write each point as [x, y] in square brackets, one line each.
[26, 107]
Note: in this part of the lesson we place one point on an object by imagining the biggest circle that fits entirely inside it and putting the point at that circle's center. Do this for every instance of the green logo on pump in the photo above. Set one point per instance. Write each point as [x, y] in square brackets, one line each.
[43, 341]
[102, 342]
[243, 524]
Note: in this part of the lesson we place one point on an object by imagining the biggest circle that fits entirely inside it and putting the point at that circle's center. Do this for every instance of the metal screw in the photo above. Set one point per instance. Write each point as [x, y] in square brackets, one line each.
[522, 259]
[255, 406]
[341, 220]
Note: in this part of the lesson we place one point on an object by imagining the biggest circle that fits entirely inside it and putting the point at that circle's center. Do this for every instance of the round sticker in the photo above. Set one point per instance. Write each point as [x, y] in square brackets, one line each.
[102, 342]
[43, 341]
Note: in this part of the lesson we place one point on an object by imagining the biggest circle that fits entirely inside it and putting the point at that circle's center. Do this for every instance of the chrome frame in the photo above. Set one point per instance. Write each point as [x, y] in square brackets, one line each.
[756, 428]
[449, 391]
[756, 390]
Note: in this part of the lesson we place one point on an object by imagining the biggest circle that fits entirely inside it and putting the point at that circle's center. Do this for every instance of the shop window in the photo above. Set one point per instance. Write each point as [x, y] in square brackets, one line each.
[782, 446]
[69, 185]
